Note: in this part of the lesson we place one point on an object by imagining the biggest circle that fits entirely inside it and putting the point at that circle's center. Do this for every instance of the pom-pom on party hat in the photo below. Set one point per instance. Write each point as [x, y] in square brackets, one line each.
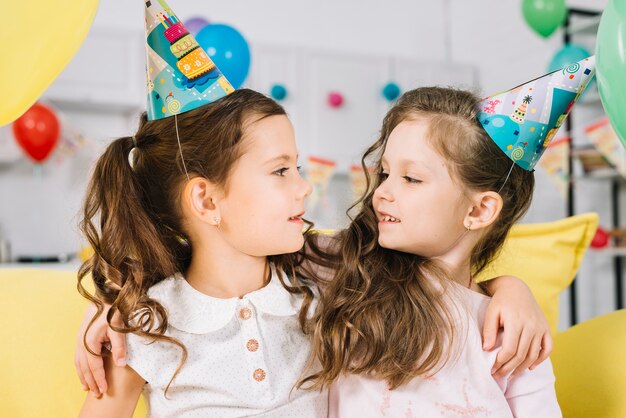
[180, 74]
[522, 121]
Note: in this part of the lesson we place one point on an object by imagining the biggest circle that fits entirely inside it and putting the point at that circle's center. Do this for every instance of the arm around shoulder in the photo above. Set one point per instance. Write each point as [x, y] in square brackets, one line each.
[531, 393]
[121, 397]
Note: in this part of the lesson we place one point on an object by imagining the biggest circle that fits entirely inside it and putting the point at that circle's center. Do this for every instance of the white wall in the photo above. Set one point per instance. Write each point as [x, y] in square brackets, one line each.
[488, 33]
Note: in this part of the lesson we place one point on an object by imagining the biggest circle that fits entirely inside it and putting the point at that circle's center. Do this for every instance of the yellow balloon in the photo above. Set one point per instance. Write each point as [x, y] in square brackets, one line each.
[39, 38]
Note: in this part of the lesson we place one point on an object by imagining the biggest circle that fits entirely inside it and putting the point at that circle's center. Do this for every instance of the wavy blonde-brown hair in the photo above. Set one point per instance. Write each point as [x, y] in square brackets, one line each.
[132, 216]
[383, 315]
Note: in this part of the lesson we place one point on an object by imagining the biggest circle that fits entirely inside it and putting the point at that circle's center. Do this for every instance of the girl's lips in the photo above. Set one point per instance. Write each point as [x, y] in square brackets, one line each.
[389, 219]
[297, 219]
[384, 217]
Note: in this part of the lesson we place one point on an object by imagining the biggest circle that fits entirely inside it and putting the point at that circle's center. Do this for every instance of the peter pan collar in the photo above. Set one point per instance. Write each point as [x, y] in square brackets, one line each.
[196, 313]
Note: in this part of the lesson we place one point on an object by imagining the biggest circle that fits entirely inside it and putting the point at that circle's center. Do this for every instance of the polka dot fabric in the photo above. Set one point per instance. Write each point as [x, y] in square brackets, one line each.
[244, 355]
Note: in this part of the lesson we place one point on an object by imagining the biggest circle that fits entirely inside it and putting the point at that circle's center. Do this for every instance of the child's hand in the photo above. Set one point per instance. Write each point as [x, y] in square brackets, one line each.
[90, 368]
[527, 340]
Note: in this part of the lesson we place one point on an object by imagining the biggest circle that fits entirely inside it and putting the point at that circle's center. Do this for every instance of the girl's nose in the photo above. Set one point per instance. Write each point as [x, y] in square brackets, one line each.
[383, 192]
[305, 187]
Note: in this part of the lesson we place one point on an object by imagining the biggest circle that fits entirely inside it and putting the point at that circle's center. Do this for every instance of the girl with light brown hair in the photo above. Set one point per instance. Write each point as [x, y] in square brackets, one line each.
[398, 329]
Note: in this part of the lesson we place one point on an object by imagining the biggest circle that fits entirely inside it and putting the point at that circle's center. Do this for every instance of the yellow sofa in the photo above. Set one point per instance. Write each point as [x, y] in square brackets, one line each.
[590, 366]
[40, 312]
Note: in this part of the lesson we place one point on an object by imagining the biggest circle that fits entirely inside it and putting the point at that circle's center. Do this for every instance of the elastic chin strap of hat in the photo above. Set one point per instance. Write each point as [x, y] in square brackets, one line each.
[507, 177]
[180, 148]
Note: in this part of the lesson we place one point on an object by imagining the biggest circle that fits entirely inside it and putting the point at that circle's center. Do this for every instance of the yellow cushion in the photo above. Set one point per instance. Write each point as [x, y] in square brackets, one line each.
[40, 312]
[590, 364]
[546, 256]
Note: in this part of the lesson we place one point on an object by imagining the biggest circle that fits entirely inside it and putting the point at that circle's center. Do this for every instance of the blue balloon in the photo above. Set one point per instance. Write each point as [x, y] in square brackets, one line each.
[567, 55]
[391, 91]
[278, 92]
[229, 51]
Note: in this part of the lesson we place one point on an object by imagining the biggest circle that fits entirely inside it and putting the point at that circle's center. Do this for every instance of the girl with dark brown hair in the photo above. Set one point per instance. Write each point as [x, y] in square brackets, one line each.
[195, 245]
[398, 329]
[203, 255]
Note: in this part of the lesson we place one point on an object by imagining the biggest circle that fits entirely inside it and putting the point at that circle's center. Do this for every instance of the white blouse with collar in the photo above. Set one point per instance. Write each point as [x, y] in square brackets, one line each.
[244, 355]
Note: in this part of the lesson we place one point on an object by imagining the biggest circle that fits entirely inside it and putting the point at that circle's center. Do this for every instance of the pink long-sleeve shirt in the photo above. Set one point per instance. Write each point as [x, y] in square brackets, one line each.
[464, 387]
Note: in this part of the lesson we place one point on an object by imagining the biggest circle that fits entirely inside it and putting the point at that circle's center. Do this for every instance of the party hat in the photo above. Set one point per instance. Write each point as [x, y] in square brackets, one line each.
[522, 121]
[180, 75]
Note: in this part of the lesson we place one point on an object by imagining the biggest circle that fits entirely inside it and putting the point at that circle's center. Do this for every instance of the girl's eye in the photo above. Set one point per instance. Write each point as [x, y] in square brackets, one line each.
[281, 171]
[411, 180]
[382, 176]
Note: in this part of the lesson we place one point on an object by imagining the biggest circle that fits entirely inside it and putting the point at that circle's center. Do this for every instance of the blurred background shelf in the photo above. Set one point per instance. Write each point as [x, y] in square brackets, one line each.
[610, 252]
[588, 26]
[69, 266]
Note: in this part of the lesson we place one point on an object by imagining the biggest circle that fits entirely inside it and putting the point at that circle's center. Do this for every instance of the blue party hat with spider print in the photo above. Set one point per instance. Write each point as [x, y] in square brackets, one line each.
[180, 75]
[522, 121]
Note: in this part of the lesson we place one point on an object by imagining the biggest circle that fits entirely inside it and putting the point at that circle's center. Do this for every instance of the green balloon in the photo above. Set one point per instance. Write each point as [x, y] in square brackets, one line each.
[544, 16]
[611, 65]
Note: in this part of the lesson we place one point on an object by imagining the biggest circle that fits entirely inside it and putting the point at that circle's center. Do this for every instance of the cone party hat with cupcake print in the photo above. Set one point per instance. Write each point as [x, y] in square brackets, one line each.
[180, 74]
[522, 121]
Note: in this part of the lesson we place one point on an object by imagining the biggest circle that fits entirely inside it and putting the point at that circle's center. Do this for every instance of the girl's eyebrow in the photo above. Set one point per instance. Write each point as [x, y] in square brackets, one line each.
[407, 162]
[418, 163]
[280, 158]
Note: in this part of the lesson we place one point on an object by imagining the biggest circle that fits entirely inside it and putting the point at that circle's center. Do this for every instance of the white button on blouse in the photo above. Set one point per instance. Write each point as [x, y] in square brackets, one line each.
[244, 355]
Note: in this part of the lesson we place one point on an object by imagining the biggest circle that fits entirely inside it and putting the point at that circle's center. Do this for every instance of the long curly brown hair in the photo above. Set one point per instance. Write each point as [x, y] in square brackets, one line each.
[383, 315]
[133, 220]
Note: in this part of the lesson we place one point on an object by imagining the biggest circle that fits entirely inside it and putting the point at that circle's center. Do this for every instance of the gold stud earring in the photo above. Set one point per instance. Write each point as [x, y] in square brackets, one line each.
[217, 221]
[469, 227]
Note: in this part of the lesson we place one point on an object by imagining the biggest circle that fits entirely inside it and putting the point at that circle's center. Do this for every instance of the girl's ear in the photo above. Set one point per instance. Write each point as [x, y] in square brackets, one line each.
[200, 200]
[485, 211]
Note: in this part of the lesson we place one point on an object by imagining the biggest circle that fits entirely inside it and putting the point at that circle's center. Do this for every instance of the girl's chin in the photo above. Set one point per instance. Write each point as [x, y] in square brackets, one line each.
[293, 245]
[385, 242]
[391, 244]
